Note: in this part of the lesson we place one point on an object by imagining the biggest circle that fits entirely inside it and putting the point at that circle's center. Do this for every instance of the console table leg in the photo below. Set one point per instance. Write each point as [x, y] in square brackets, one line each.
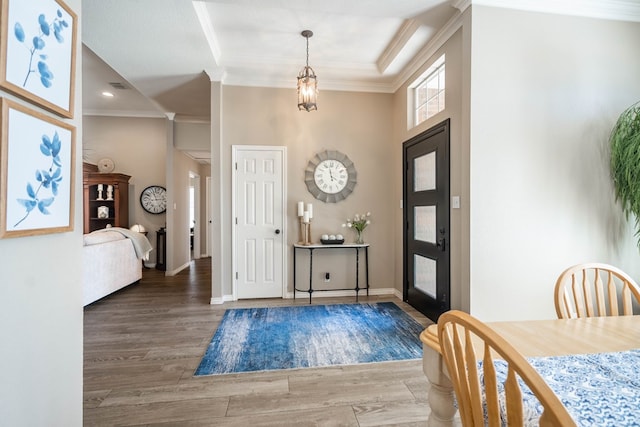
[366, 272]
[310, 274]
[357, 273]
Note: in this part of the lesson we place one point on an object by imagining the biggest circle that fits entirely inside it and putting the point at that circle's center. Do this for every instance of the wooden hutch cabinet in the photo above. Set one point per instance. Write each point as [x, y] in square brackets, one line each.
[100, 212]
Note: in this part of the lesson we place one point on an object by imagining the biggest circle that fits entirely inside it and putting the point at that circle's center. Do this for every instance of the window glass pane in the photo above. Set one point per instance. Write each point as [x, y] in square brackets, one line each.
[424, 172]
[424, 220]
[428, 93]
[432, 106]
[421, 114]
[421, 95]
[425, 275]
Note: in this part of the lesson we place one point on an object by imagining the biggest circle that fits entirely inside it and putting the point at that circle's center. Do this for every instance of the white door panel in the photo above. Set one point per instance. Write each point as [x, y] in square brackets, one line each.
[259, 224]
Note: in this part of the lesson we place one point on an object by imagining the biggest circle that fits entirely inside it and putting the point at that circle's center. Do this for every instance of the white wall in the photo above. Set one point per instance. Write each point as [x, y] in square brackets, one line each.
[192, 136]
[180, 254]
[137, 146]
[545, 93]
[357, 124]
[455, 106]
[41, 311]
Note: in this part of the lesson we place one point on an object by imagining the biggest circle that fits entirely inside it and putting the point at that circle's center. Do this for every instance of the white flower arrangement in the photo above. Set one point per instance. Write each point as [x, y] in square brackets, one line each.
[359, 223]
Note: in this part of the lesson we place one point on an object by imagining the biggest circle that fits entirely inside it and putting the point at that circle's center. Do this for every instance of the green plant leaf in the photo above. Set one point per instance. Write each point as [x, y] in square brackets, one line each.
[625, 163]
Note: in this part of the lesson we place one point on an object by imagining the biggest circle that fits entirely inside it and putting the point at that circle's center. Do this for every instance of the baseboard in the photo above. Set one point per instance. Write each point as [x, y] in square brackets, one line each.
[221, 300]
[177, 270]
[323, 294]
[347, 293]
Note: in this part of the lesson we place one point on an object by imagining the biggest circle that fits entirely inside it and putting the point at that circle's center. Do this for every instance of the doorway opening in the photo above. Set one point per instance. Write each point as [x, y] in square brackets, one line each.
[194, 215]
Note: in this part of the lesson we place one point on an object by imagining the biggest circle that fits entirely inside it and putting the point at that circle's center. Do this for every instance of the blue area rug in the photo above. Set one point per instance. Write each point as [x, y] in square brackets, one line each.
[262, 339]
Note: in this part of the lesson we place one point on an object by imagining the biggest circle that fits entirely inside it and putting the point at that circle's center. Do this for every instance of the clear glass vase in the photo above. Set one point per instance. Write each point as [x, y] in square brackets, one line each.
[359, 239]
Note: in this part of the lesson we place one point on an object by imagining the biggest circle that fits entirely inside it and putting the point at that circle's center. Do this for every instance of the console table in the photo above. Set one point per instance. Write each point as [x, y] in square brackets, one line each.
[313, 247]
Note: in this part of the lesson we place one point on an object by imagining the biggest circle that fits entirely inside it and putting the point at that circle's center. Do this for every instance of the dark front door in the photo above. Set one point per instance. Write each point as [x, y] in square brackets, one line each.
[426, 221]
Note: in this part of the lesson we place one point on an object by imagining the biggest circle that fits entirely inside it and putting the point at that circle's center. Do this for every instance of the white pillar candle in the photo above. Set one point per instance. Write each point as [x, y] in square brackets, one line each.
[305, 217]
[300, 208]
[310, 210]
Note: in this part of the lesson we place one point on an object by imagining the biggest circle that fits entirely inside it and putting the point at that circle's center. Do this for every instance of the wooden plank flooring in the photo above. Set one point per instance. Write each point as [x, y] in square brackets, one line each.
[143, 343]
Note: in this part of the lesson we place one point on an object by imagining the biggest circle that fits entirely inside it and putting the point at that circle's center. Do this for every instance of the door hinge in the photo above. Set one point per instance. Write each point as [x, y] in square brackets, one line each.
[236, 165]
[236, 220]
[236, 275]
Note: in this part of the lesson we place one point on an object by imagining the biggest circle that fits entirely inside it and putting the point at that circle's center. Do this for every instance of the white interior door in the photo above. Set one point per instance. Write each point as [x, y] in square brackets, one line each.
[259, 222]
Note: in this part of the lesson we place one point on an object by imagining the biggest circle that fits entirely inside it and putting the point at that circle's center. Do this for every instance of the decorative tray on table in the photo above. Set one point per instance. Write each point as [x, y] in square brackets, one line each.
[332, 242]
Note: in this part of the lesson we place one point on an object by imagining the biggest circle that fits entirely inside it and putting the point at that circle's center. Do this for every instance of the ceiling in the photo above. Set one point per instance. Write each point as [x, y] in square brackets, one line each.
[166, 52]
[163, 54]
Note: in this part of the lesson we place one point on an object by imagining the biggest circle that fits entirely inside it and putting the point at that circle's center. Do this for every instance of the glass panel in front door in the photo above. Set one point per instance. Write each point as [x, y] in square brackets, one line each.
[424, 220]
[424, 172]
[425, 278]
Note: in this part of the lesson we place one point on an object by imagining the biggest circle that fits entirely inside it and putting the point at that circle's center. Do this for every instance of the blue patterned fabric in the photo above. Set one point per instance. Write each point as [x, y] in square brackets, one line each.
[259, 339]
[598, 390]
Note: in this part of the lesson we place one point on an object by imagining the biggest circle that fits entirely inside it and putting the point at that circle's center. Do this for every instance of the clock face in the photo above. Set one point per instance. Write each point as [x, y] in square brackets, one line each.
[154, 199]
[331, 176]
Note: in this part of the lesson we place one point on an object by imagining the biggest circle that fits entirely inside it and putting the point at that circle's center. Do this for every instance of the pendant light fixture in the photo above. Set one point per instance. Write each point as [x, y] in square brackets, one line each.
[307, 83]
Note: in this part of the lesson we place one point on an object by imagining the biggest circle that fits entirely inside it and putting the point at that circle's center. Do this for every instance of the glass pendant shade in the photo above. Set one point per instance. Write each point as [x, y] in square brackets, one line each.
[307, 82]
[307, 89]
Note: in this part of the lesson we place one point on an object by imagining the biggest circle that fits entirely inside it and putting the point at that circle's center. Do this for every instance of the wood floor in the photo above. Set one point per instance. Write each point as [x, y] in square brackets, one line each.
[143, 343]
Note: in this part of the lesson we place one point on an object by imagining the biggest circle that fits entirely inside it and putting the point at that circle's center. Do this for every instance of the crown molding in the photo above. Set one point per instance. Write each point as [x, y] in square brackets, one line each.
[399, 41]
[124, 113]
[620, 10]
[202, 13]
[382, 85]
[435, 43]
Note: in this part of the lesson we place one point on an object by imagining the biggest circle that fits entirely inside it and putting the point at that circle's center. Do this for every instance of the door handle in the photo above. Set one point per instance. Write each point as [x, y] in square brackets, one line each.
[277, 231]
[441, 243]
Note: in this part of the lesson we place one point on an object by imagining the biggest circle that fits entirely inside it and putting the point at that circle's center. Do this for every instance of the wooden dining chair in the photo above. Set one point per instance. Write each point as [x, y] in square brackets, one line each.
[595, 289]
[475, 384]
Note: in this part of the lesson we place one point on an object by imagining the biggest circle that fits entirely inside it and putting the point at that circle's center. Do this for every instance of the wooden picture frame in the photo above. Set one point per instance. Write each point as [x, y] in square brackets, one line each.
[38, 53]
[37, 172]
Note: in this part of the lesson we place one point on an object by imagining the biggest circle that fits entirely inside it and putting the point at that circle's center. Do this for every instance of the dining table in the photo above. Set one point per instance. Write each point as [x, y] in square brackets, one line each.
[612, 339]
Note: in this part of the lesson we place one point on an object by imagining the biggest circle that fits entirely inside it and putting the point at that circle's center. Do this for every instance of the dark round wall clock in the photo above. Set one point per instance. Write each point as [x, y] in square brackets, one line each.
[154, 199]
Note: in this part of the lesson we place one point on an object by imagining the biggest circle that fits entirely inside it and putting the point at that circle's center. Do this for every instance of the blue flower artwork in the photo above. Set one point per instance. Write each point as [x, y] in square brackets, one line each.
[37, 153]
[38, 53]
[37, 45]
[48, 180]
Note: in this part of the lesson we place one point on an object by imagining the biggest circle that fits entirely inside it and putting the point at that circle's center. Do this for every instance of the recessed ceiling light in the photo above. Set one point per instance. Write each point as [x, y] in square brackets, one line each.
[107, 94]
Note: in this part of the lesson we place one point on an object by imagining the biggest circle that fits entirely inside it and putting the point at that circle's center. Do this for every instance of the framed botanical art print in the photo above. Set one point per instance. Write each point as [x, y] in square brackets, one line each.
[38, 52]
[37, 158]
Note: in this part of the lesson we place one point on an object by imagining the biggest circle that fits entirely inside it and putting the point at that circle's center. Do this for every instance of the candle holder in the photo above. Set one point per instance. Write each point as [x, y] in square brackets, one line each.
[304, 221]
[301, 231]
[306, 231]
